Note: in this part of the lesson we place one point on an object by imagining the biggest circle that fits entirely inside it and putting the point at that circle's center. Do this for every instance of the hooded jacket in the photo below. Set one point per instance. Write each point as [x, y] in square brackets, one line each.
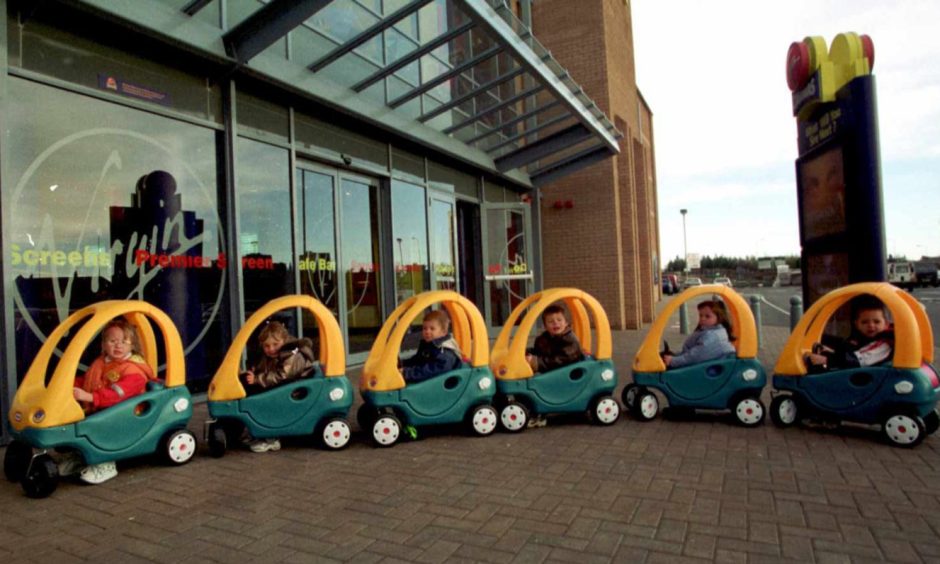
[432, 359]
[704, 344]
[295, 360]
[555, 351]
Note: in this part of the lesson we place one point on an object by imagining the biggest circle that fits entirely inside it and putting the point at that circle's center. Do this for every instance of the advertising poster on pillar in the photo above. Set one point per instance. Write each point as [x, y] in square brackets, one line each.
[103, 214]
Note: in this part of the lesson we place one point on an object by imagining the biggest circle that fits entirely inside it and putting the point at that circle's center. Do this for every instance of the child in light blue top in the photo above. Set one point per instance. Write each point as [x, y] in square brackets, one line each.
[710, 340]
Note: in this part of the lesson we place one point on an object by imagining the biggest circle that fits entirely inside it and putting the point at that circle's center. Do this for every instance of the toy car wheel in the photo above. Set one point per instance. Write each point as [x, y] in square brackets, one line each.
[218, 440]
[646, 406]
[179, 447]
[16, 460]
[514, 417]
[483, 420]
[42, 478]
[366, 416]
[628, 395]
[931, 422]
[336, 434]
[904, 430]
[749, 411]
[784, 411]
[386, 430]
[605, 410]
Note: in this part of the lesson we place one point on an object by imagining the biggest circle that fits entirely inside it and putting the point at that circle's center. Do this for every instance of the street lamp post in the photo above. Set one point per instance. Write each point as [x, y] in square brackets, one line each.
[685, 247]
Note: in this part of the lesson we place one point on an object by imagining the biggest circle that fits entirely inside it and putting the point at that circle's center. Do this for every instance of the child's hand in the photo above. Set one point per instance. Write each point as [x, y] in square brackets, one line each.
[667, 358]
[81, 395]
[249, 377]
[817, 359]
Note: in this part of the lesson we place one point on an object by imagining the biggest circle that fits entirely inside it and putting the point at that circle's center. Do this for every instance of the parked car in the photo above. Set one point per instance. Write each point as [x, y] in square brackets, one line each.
[670, 284]
[927, 273]
[902, 274]
[724, 281]
[691, 282]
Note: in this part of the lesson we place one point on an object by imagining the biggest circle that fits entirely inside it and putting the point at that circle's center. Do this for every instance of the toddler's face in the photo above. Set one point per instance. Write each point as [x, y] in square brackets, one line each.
[271, 346]
[870, 322]
[555, 323]
[431, 330]
[114, 343]
[707, 317]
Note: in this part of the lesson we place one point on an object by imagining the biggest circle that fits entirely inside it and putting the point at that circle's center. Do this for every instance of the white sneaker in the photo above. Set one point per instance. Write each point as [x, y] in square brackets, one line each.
[537, 421]
[70, 463]
[264, 445]
[99, 473]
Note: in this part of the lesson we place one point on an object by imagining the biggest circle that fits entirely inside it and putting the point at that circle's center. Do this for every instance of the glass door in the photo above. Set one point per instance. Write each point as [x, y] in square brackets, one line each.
[317, 246]
[509, 277]
[442, 226]
[360, 266]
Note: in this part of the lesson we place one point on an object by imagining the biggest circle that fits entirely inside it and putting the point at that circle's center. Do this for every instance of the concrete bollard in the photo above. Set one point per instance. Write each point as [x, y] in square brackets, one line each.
[755, 300]
[684, 318]
[796, 311]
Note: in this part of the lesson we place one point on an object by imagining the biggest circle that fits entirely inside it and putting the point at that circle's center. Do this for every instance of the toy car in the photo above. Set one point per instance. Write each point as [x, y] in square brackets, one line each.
[45, 416]
[461, 395]
[317, 404]
[900, 397]
[734, 382]
[584, 386]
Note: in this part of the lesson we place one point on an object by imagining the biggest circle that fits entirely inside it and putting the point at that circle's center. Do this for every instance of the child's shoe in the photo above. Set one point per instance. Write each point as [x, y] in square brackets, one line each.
[69, 464]
[265, 445]
[537, 421]
[412, 432]
[98, 473]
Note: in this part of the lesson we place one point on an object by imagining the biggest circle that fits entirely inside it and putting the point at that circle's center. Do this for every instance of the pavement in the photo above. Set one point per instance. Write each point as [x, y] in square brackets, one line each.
[662, 491]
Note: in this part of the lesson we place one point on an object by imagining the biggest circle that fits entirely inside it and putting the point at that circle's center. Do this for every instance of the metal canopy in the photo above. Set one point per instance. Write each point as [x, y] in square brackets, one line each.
[468, 70]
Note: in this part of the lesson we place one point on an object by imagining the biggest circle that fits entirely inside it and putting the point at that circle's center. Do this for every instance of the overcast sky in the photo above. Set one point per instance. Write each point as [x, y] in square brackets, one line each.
[713, 73]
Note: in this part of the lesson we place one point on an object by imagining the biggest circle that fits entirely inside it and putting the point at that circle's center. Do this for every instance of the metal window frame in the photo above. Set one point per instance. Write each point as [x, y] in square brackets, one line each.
[494, 108]
[534, 111]
[266, 25]
[442, 78]
[194, 7]
[568, 137]
[527, 132]
[570, 164]
[472, 94]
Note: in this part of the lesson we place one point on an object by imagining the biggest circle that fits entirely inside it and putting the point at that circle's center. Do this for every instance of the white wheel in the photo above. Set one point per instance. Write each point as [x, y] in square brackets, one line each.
[904, 430]
[514, 417]
[336, 434]
[646, 406]
[606, 411]
[783, 411]
[180, 447]
[386, 430]
[749, 411]
[484, 420]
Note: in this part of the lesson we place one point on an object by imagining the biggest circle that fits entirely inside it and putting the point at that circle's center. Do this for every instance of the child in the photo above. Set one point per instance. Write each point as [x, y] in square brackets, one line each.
[437, 353]
[285, 360]
[710, 340]
[557, 346]
[871, 341]
[118, 374]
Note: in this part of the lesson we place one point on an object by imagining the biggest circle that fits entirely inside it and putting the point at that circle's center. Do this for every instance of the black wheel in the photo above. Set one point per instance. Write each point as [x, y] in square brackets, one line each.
[482, 420]
[646, 405]
[628, 395]
[749, 411]
[932, 422]
[335, 434]
[16, 460]
[366, 416]
[386, 430]
[218, 440]
[605, 410]
[904, 430]
[179, 447]
[514, 417]
[784, 411]
[42, 478]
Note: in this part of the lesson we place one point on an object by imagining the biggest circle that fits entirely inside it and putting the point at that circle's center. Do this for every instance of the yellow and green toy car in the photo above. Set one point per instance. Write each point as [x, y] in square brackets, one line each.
[899, 396]
[462, 395]
[45, 415]
[583, 386]
[315, 405]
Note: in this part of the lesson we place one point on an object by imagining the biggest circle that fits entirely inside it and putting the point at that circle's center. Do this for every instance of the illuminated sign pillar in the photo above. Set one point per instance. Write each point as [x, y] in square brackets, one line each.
[838, 171]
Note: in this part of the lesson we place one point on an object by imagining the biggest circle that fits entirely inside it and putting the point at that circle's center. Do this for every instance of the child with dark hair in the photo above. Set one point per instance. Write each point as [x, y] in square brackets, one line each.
[710, 340]
[557, 346]
[437, 353]
[285, 359]
[871, 341]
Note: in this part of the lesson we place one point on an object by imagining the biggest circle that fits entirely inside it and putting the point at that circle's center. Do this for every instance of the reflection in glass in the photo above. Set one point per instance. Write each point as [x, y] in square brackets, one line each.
[506, 262]
[409, 231]
[443, 260]
[317, 260]
[361, 267]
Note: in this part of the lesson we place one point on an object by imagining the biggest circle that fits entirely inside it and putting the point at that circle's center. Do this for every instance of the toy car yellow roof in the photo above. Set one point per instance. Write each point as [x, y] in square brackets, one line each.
[913, 335]
[40, 406]
[742, 322]
[225, 385]
[507, 359]
[381, 373]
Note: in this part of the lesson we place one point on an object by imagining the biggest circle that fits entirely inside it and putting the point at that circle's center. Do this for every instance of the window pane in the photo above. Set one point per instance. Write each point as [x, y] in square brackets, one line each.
[318, 246]
[117, 208]
[361, 268]
[409, 231]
